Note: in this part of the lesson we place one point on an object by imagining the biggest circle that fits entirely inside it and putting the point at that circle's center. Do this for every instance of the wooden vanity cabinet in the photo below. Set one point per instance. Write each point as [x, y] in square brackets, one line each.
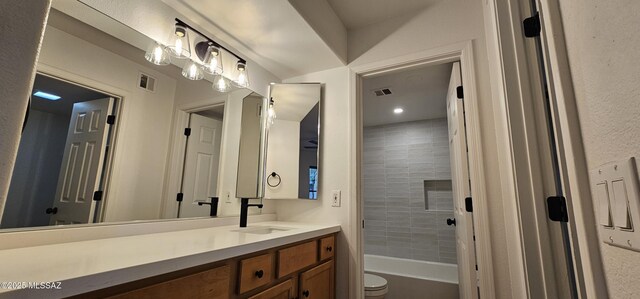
[299, 270]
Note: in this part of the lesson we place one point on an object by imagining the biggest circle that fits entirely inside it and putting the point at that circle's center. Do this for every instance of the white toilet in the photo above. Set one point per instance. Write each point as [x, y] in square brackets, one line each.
[375, 287]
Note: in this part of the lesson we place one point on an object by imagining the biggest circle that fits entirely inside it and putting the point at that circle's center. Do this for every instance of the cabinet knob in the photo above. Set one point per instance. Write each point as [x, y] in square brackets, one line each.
[52, 210]
[329, 248]
[451, 221]
[306, 293]
[259, 273]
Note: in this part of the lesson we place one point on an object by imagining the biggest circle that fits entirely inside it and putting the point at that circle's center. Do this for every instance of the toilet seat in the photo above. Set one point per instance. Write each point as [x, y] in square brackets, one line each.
[374, 284]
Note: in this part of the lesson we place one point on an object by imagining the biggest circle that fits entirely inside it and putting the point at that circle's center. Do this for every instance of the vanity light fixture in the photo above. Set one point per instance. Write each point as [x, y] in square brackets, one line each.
[271, 112]
[157, 54]
[192, 71]
[398, 110]
[213, 60]
[179, 42]
[207, 58]
[242, 80]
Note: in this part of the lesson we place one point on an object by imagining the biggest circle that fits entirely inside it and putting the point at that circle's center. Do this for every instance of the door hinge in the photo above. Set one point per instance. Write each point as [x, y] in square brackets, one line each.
[459, 92]
[557, 207]
[111, 119]
[97, 196]
[179, 197]
[187, 132]
[532, 26]
[468, 204]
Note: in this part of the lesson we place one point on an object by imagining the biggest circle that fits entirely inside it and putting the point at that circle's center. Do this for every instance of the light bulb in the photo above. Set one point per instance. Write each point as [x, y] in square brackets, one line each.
[271, 113]
[157, 54]
[192, 71]
[242, 80]
[221, 84]
[398, 110]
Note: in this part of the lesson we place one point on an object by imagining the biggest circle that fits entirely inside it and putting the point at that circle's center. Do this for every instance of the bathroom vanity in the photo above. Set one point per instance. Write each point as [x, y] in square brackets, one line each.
[264, 260]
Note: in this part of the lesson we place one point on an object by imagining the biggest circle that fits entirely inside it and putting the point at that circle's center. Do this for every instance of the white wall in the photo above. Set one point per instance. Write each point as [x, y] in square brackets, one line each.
[441, 24]
[283, 157]
[602, 44]
[143, 136]
[22, 23]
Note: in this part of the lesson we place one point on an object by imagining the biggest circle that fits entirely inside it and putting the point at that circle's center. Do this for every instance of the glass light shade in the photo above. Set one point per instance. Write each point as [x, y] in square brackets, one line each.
[242, 76]
[221, 83]
[213, 60]
[272, 113]
[192, 71]
[178, 44]
[157, 54]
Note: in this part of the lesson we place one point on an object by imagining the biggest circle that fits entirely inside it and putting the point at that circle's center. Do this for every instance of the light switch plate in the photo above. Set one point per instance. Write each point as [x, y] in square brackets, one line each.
[336, 198]
[616, 188]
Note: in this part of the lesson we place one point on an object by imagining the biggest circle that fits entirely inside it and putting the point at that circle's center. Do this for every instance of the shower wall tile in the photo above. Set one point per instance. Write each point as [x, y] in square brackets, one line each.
[399, 161]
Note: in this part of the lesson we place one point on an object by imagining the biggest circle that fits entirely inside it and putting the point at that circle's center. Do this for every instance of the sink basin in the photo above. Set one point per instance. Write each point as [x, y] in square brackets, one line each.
[262, 230]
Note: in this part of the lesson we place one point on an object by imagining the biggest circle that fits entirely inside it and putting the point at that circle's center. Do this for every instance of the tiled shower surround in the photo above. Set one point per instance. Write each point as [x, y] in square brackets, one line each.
[401, 162]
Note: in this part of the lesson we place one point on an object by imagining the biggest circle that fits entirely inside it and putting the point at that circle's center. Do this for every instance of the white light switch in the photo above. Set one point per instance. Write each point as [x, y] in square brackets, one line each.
[621, 200]
[604, 206]
[336, 198]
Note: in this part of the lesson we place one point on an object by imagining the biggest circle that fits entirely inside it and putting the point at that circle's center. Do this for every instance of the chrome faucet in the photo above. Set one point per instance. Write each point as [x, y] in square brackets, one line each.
[244, 210]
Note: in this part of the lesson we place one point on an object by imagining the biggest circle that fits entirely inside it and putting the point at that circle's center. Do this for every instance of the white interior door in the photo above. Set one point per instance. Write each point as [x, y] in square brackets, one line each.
[82, 162]
[201, 165]
[460, 182]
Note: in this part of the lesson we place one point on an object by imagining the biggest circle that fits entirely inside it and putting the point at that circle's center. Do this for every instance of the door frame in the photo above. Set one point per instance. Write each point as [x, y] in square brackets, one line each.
[462, 52]
[175, 164]
[112, 159]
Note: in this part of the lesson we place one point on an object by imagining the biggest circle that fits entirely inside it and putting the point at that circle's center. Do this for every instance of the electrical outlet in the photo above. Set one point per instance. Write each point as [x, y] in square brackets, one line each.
[336, 198]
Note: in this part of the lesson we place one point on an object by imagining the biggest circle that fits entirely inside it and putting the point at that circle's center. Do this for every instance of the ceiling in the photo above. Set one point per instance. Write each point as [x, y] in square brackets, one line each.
[420, 92]
[360, 13]
[70, 94]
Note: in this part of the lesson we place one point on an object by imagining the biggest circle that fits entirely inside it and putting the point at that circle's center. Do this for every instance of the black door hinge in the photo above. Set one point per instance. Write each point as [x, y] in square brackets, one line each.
[179, 197]
[557, 207]
[97, 196]
[468, 204]
[187, 132]
[532, 26]
[459, 92]
[111, 119]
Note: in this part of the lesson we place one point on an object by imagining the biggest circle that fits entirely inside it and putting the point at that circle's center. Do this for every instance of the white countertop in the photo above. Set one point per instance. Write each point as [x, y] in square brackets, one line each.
[95, 264]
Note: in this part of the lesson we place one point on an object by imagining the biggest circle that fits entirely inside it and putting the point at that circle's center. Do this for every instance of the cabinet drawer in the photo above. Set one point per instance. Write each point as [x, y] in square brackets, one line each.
[297, 257]
[327, 247]
[255, 272]
[212, 283]
[280, 291]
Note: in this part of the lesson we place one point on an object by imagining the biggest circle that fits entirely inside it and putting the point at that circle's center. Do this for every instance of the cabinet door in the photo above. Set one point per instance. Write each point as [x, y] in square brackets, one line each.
[318, 283]
[281, 291]
[212, 283]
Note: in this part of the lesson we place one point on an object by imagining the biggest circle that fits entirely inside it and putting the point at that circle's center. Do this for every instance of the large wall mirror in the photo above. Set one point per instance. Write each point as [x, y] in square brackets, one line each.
[111, 137]
[294, 137]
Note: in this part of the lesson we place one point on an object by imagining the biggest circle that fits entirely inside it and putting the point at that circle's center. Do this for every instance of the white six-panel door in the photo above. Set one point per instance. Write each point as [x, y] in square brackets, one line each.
[201, 165]
[461, 189]
[82, 162]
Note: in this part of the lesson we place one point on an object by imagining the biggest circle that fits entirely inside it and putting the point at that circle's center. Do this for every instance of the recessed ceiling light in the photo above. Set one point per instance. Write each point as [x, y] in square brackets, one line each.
[46, 95]
[398, 110]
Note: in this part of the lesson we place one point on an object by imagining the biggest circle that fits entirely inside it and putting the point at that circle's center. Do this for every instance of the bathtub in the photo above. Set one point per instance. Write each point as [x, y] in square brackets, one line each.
[413, 278]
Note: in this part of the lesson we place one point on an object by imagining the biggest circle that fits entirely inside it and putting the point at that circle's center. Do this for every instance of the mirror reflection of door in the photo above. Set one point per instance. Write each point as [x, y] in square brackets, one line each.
[202, 159]
[60, 157]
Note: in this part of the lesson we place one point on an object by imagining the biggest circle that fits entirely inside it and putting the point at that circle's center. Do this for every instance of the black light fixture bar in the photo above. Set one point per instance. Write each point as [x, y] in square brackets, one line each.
[180, 22]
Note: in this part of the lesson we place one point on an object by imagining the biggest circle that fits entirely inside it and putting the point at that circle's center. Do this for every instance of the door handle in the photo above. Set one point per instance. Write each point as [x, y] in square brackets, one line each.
[451, 221]
[53, 210]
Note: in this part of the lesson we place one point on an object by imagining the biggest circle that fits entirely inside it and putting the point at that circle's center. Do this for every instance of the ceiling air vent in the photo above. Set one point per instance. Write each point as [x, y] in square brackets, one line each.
[147, 82]
[382, 92]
